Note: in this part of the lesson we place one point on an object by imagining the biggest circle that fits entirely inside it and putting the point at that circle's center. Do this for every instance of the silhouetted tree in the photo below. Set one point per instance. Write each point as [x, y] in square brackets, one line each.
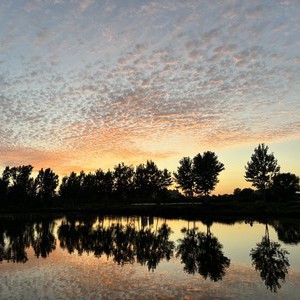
[285, 184]
[89, 188]
[104, 182]
[123, 180]
[71, 188]
[20, 183]
[271, 261]
[262, 168]
[244, 194]
[206, 169]
[199, 175]
[149, 181]
[3, 191]
[45, 184]
[185, 176]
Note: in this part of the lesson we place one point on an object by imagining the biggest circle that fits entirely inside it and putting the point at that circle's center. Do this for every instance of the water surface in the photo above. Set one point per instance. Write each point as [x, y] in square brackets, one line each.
[92, 257]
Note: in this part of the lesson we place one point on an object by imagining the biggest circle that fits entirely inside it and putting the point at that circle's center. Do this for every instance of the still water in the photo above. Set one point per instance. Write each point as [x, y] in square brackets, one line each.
[92, 257]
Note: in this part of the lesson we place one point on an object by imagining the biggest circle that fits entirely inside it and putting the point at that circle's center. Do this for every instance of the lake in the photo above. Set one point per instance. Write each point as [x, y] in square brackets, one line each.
[106, 257]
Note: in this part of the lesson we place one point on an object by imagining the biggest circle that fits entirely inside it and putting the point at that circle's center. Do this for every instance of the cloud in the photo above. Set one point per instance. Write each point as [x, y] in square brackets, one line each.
[43, 37]
[145, 79]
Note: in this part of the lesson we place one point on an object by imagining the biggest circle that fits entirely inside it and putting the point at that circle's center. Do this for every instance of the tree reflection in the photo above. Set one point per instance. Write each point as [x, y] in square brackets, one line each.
[17, 235]
[202, 252]
[288, 232]
[123, 243]
[270, 260]
[153, 247]
[15, 238]
[44, 241]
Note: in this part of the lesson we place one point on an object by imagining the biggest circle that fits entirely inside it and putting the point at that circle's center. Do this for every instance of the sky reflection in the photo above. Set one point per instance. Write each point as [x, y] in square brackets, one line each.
[81, 274]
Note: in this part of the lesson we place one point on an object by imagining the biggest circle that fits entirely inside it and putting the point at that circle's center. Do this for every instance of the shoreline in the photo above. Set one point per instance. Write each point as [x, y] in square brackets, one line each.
[176, 210]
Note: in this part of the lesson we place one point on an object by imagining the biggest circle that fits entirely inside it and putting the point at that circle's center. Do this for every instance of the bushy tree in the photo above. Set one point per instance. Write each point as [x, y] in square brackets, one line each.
[185, 177]
[262, 168]
[206, 169]
[245, 194]
[123, 180]
[104, 182]
[71, 186]
[19, 182]
[46, 183]
[198, 175]
[150, 181]
[286, 184]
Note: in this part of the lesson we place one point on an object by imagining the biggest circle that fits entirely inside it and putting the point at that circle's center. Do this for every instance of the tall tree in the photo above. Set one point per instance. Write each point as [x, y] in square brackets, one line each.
[71, 187]
[104, 182]
[149, 180]
[198, 175]
[185, 177]
[262, 168]
[20, 182]
[123, 180]
[46, 183]
[206, 169]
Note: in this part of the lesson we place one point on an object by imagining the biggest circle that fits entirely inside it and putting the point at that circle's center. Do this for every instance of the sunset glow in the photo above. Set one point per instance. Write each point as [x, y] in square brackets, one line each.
[88, 84]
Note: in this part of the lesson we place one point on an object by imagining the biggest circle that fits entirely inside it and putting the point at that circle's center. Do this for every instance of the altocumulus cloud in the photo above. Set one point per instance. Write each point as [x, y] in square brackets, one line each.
[89, 81]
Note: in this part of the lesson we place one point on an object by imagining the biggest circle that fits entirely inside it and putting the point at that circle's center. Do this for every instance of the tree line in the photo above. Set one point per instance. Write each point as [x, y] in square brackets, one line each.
[195, 177]
[124, 183]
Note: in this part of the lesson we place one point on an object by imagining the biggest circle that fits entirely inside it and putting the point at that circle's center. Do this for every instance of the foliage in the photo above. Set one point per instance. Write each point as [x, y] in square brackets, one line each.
[185, 177]
[202, 253]
[196, 176]
[16, 236]
[19, 184]
[45, 184]
[149, 181]
[288, 232]
[104, 182]
[199, 175]
[123, 180]
[123, 243]
[246, 194]
[285, 184]
[71, 186]
[262, 168]
[271, 261]
[206, 169]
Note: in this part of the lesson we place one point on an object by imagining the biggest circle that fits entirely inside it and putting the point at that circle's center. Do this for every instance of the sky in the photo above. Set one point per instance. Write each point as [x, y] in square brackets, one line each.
[88, 84]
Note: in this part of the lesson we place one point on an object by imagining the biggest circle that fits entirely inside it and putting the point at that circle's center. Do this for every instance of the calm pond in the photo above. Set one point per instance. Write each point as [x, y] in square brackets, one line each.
[92, 257]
